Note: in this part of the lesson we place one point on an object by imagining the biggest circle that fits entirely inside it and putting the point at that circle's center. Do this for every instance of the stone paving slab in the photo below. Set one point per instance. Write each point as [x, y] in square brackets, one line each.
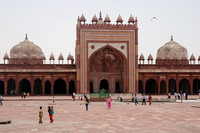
[71, 117]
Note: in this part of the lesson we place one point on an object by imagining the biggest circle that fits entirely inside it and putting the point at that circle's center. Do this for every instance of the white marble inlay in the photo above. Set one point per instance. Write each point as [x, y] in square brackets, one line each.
[100, 45]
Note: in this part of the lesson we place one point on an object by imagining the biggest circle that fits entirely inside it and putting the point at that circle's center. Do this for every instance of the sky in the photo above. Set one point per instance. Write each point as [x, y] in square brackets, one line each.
[51, 24]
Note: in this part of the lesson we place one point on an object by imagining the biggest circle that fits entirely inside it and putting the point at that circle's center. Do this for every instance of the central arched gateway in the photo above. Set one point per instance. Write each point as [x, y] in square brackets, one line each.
[108, 67]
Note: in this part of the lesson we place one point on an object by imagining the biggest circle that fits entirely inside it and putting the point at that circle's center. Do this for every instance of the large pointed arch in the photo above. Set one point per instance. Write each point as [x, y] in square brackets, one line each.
[151, 86]
[108, 62]
[37, 86]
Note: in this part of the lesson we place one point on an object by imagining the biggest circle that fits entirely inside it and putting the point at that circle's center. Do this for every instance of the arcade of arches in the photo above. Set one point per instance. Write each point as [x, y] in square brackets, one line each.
[59, 86]
[107, 71]
[152, 86]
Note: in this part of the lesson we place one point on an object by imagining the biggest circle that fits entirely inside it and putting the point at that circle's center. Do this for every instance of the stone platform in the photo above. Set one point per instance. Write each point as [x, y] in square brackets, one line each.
[123, 117]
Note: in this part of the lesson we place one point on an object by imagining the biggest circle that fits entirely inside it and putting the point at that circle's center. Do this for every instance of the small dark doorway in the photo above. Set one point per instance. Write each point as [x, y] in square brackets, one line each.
[162, 87]
[196, 86]
[117, 87]
[37, 86]
[104, 84]
[172, 86]
[11, 87]
[1, 87]
[72, 87]
[24, 86]
[151, 86]
[47, 87]
[140, 87]
[59, 87]
[184, 86]
[91, 87]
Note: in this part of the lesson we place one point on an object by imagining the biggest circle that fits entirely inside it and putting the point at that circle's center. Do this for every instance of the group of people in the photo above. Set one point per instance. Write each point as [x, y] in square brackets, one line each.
[178, 96]
[50, 111]
[24, 94]
[135, 98]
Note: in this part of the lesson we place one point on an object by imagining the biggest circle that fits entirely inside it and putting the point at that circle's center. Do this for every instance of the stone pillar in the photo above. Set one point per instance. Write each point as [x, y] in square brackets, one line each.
[67, 84]
[52, 82]
[177, 85]
[16, 84]
[32, 85]
[191, 85]
[167, 84]
[144, 81]
[158, 79]
[43, 85]
[5, 84]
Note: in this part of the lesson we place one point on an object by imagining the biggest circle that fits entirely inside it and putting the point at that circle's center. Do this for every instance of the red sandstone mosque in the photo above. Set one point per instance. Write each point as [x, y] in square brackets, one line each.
[106, 56]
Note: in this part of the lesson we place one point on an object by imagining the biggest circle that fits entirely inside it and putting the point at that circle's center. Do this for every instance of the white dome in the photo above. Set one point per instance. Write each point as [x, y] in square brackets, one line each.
[26, 49]
[172, 50]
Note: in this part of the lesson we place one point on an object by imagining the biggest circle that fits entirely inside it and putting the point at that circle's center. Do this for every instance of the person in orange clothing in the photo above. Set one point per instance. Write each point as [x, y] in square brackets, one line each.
[150, 99]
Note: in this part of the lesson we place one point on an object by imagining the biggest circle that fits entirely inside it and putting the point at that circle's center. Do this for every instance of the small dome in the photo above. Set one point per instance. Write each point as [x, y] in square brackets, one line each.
[6, 56]
[150, 57]
[192, 58]
[43, 57]
[26, 49]
[131, 19]
[82, 18]
[119, 19]
[172, 50]
[51, 57]
[107, 19]
[141, 57]
[94, 19]
[70, 57]
[60, 56]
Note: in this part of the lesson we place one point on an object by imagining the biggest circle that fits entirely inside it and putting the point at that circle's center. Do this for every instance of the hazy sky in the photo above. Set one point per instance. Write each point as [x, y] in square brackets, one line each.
[51, 24]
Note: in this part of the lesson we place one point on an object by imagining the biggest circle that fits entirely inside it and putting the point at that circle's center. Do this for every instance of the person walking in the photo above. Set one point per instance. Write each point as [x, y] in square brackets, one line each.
[150, 99]
[53, 99]
[108, 102]
[169, 96]
[86, 102]
[49, 111]
[136, 100]
[143, 99]
[40, 115]
[51, 114]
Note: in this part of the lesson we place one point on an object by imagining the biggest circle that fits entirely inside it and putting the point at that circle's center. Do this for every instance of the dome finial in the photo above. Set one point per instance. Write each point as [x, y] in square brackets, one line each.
[26, 37]
[171, 37]
[100, 16]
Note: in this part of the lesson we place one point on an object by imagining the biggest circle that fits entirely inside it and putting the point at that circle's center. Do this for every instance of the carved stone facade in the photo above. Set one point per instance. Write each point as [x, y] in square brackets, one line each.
[106, 57]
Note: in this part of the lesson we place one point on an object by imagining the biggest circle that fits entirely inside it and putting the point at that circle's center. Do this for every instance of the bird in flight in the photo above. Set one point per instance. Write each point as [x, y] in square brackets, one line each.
[154, 18]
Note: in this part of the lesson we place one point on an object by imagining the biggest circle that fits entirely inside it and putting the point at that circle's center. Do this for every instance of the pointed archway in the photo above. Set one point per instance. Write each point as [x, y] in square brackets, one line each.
[140, 86]
[37, 86]
[72, 87]
[184, 86]
[117, 87]
[104, 84]
[11, 87]
[1, 87]
[59, 86]
[172, 86]
[151, 86]
[91, 87]
[162, 87]
[196, 86]
[47, 87]
[24, 86]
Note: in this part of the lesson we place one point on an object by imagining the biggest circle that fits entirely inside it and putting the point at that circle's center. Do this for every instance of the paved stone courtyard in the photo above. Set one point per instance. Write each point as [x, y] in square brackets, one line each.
[123, 117]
